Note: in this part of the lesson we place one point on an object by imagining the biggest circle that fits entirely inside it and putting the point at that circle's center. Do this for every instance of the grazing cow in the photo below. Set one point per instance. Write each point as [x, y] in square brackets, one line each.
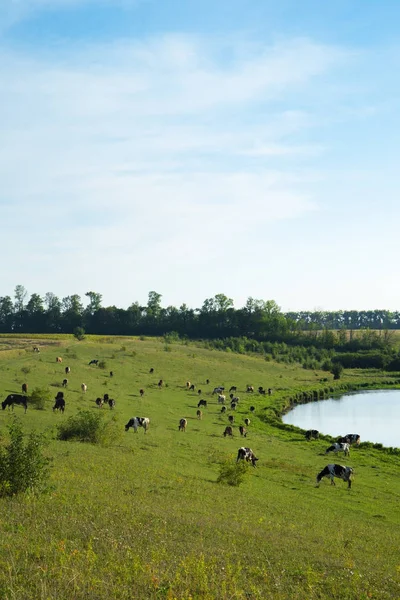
[312, 434]
[137, 422]
[65, 382]
[24, 388]
[60, 402]
[342, 447]
[151, 370]
[36, 349]
[95, 361]
[207, 381]
[247, 422]
[188, 384]
[15, 399]
[218, 390]
[233, 388]
[269, 391]
[83, 388]
[199, 414]
[235, 399]
[106, 397]
[223, 409]
[250, 388]
[231, 419]
[111, 373]
[199, 392]
[248, 455]
[111, 403]
[353, 438]
[182, 425]
[339, 471]
[67, 370]
[233, 405]
[59, 359]
[191, 388]
[99, 402]
[141, 392]
[221, 399]
[201, 403]
[160, 383]
[228, 431]
[252, 408]
[262, 392]
[243, 431]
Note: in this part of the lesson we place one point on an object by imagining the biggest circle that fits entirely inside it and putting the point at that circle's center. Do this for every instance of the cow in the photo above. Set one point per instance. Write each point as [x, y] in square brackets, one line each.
[339, 447]
[160, 383]
[15, 399]
[247, 422]
[353, 438]
[59, 359]
[269, 391]
[67, 370]
[151, 370]
[262, 392]
[252, 408]
[233, 405]
[65, 383]
[111, 373]
[228, 431]
[94, 361]
[243, 431]
[231, 419]
[250, 388]
[235, 399]
[207, 381]
[60, 402]
[221, 399]
[312, 434]
[188, 384]
[83, 388]
[111, 403]
[223, 409]
[99, 402]
[182, 425]
[106, 397]
[141, 392]
[137, 422]
[36, 349]
[199, 414]
[339, 471]
[24, 388]
[248, 455]
[202, 403]
[199, 392]
[218, 390]
[191, 388]
[233, 388]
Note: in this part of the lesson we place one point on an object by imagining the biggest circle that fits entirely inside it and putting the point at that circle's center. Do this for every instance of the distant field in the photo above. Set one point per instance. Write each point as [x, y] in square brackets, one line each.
[145, 517]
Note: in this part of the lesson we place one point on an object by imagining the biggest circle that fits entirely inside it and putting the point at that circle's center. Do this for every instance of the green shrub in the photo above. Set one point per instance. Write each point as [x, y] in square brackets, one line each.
[89, 426]
[232, 473]
[102, 364]
[79, 333]
[39, 397]
[23, 465]
[337, 370]
[26, 370]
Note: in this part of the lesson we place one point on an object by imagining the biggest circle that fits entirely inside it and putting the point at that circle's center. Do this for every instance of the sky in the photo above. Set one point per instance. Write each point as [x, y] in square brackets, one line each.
[195, 147]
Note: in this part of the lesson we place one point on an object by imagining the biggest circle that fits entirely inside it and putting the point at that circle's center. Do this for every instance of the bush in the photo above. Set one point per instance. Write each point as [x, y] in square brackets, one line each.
[26, 370]
[232, 473]
[23, 466]
[79, 333]
[89, 426]
[39, 397]
[337, 370]
[102, 364]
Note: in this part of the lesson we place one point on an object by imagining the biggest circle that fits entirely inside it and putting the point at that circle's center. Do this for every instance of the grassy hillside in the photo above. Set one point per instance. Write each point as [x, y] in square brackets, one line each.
[145, 517]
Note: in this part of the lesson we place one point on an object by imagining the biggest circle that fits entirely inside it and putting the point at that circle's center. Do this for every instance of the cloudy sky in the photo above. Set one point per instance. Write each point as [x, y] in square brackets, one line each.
[196, 147]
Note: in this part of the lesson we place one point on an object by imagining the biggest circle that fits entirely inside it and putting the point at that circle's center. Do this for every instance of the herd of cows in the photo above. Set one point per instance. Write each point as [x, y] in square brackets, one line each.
[244, 453]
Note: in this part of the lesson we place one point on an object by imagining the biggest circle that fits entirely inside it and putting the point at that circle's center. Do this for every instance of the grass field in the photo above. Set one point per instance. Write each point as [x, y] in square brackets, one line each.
[145, 517]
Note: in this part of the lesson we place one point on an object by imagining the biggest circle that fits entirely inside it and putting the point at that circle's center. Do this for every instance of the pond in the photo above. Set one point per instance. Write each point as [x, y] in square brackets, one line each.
[374, 414]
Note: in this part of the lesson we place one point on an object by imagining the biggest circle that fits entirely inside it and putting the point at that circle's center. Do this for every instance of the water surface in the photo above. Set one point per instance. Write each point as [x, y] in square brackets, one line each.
[374, 414]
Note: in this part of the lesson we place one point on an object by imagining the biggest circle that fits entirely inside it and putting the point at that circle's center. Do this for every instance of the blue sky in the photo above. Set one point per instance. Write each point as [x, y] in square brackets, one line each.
[194, 148]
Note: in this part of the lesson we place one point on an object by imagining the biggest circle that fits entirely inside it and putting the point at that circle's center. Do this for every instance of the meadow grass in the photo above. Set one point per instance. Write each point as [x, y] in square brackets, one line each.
[145, 517]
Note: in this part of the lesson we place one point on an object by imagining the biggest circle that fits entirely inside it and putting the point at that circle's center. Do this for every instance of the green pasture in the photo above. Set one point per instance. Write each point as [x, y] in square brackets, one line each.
[144, 516]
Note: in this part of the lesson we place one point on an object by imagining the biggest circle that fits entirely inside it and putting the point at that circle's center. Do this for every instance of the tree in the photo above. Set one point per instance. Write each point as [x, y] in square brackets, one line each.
[20, 295]
[94, 302]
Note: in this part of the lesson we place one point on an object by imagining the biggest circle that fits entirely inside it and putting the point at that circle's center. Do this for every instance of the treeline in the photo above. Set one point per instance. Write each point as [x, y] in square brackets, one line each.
[217, 318]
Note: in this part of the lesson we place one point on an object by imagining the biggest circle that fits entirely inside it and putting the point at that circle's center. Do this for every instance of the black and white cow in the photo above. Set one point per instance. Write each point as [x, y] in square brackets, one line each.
[312, 434]
[339, 471]
[231, 419]
[201, 403]
[223, 409]
[182, 425]
[233, 388]
[60, 402]
[228, 431]
[15, 399]
[65, 383]
[247, 422]
[339, 447]
[137, 422]
[218, 390]
[221, 398]
[95, 361]
[99, 402]
[111, 403]
[248, 455]
[242, 431]
[67, 370]
[353, 438]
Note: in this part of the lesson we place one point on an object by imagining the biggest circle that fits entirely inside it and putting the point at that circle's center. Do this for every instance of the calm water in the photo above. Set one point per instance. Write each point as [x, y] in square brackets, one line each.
[375, 415]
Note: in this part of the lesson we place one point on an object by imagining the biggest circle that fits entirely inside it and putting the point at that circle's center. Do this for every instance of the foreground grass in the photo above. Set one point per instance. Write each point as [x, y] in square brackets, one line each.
[145, 518]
